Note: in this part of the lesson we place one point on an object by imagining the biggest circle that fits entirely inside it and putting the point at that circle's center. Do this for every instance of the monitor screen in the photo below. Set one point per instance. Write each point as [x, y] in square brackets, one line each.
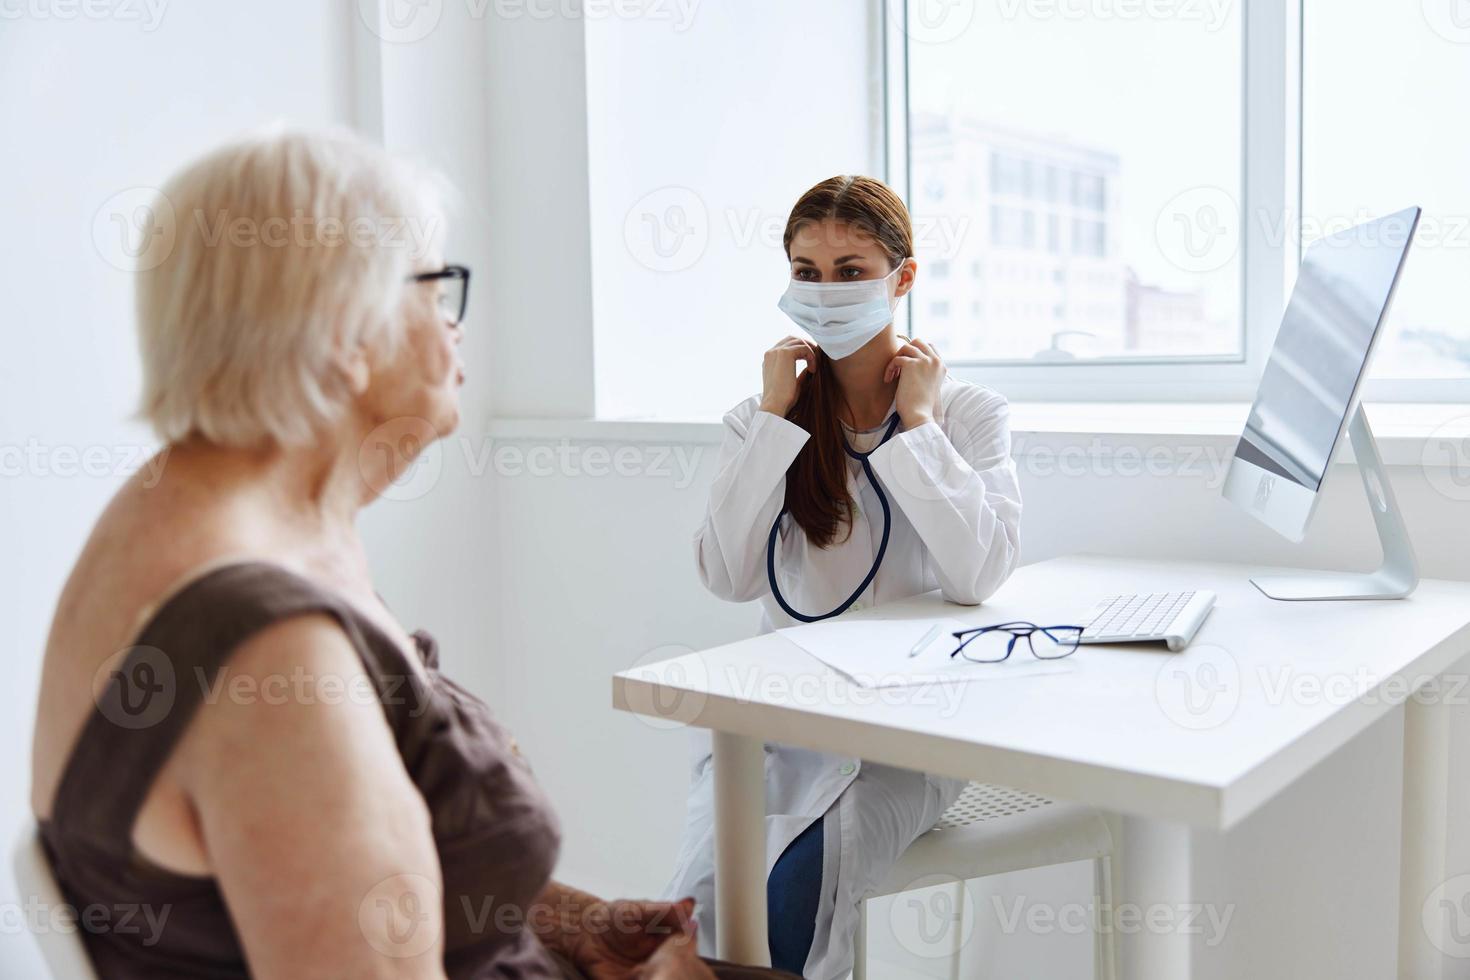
[1341, 294]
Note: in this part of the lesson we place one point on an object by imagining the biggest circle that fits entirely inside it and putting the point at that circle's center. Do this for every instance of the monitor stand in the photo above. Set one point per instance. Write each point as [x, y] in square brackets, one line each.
[1399, 573]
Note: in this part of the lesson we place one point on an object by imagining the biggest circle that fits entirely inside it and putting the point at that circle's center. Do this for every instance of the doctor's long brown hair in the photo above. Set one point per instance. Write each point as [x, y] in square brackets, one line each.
[816, 481]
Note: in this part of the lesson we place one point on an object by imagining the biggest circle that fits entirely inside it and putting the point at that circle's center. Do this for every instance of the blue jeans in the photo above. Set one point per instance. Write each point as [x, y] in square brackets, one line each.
[792, 894]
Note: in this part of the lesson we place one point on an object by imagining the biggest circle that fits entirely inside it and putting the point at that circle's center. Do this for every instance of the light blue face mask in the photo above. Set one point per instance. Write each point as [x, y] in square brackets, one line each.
[841, 316]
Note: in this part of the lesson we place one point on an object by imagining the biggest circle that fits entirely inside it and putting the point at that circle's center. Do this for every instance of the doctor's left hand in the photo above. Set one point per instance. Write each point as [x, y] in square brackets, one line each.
[920, 375]
[616, 938]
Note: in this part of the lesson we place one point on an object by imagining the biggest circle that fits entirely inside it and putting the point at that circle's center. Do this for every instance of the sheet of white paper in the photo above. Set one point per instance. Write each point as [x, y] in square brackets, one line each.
[875, 652]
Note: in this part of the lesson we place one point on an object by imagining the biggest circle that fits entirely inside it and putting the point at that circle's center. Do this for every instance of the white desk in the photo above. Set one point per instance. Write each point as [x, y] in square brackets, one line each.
[1186, 748]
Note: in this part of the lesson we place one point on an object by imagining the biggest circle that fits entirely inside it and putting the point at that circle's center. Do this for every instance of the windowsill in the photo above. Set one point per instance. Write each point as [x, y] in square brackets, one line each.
[1403, 430]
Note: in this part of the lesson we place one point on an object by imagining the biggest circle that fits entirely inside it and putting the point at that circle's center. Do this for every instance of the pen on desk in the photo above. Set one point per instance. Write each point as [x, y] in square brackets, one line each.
[933, 632]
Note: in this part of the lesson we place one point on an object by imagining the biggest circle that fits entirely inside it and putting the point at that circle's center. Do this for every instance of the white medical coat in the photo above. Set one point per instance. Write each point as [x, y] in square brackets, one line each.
[956, 512]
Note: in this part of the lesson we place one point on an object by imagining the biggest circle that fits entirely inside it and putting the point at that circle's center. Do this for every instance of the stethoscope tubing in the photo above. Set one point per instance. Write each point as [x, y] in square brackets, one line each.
[882, 543]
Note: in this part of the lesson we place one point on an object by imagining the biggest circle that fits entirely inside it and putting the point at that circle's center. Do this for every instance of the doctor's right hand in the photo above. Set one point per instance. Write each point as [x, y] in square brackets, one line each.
[780, 380]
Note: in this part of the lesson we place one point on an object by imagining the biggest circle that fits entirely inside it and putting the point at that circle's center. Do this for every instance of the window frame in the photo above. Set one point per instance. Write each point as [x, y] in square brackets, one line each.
[1270, 193]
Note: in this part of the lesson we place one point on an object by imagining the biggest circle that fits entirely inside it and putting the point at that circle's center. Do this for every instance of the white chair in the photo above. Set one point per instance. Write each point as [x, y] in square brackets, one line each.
[61, 948]
[994, 829]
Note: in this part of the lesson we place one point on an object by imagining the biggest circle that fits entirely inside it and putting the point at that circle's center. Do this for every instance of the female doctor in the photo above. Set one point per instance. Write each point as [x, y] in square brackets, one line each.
[865, 477]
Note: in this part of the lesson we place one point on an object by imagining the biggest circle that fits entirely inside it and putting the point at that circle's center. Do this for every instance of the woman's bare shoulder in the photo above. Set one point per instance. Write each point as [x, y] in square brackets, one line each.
[146, 542]
[143, 546]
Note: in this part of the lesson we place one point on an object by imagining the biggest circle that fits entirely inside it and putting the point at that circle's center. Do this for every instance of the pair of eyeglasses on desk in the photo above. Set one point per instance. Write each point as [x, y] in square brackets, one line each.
[992, 644]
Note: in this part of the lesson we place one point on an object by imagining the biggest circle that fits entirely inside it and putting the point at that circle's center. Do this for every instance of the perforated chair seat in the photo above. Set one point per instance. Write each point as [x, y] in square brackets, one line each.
[991, 829]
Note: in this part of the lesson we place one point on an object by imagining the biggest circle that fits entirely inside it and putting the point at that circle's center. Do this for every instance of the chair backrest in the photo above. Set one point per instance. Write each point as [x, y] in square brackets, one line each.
[54, 926]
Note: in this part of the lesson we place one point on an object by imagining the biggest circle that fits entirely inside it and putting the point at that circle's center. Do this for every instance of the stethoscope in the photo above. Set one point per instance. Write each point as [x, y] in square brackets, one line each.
[882, 544]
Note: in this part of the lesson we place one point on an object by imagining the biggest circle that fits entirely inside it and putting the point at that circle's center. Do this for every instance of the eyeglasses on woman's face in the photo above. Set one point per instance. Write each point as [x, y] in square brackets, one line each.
[992, 644]
[452, 285]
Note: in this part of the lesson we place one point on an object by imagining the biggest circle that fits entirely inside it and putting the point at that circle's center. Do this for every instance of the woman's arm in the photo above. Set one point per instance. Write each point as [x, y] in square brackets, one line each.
[748, 492]
[960, 492]
[319, 840]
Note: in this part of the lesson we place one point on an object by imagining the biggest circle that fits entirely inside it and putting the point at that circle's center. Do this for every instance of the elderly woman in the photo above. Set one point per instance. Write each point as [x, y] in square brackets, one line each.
[235, 736]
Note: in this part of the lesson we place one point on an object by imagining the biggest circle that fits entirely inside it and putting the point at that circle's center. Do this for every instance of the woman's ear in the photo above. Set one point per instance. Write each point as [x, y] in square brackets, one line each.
[906, 274]
[356, 369]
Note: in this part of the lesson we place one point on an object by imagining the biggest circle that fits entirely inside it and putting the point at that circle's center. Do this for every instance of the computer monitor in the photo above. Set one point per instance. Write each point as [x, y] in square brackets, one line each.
[1309, 395]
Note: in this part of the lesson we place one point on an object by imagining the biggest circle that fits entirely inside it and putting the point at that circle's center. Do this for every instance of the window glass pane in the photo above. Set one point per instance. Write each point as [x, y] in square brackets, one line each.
[1093, 151]
[703, 131]
[1384, 126]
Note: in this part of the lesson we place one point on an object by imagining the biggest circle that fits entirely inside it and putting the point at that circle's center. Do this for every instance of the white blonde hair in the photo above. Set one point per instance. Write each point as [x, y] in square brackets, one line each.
[289, 250]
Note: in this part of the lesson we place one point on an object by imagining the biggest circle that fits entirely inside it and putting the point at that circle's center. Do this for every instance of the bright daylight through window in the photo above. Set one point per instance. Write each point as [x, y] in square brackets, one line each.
[1386, 131]
[1093, 149]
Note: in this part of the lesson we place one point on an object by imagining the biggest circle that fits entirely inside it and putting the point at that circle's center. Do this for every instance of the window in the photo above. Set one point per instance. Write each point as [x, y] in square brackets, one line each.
[1087, 191]
[1053, 183]
[695, 157]
[1089, 238]
[1385, 134]
[1005, 176]
[1089, 141]
[1088, 221]
[1012, 228]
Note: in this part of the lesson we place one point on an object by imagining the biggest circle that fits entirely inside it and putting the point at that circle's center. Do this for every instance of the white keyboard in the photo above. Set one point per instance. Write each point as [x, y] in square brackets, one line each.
[1172, 617]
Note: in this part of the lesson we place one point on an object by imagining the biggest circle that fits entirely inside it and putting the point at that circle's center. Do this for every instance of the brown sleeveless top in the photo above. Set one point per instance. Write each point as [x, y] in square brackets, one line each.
[494, 829]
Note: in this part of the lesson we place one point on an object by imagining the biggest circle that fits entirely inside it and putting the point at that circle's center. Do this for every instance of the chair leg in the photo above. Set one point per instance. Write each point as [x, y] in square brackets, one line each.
[957, 950]
[860, 944]
[1105, 953]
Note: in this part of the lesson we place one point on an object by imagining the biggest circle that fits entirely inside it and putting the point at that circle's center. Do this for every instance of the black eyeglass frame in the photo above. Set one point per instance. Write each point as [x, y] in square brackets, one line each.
[458, 272]
[1016, 629]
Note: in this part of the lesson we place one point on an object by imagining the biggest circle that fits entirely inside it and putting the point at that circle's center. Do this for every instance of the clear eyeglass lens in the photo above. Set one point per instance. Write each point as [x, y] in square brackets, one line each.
[1049, 644]
[451, 297]
[987, 647]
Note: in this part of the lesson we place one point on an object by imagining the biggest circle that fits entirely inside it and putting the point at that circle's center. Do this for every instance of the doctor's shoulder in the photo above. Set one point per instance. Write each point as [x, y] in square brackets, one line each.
[970, 406]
